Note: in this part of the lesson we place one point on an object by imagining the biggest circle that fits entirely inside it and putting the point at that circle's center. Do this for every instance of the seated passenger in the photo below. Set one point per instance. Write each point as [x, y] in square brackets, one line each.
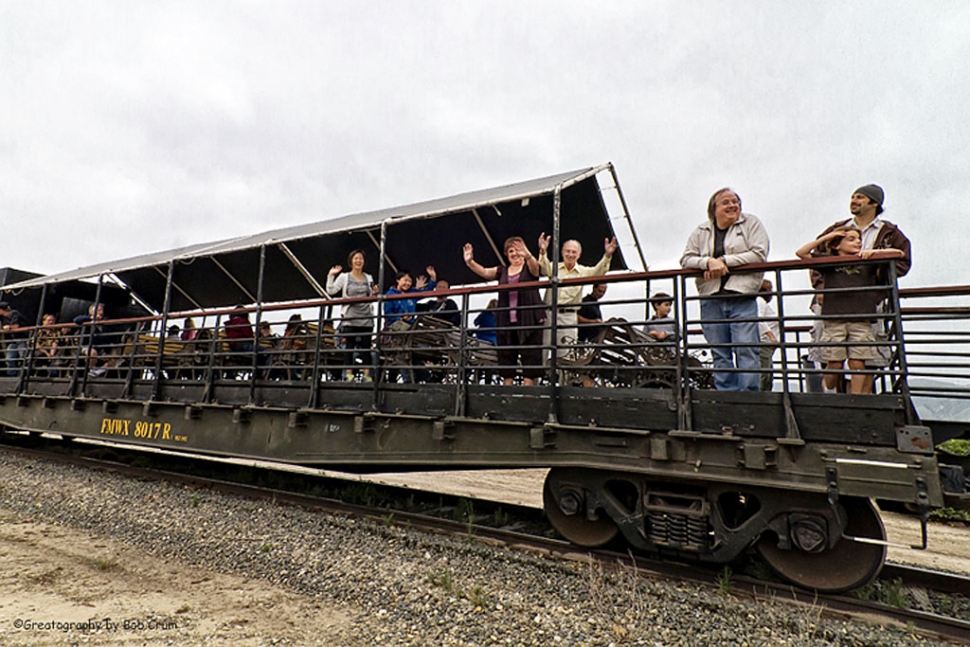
[294, 336]
[47, 344]
[189, 331]
[294, 345]
[856, 327]
[94, 343]
[661, 326]
[403, 310]
[485, 323]
[442, 307]
[268, 338]
[239, 332]
[400, 313]
[590, 314]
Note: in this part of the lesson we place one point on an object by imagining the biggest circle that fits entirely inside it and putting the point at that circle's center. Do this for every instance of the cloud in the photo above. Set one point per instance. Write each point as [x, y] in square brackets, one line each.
[133, 127]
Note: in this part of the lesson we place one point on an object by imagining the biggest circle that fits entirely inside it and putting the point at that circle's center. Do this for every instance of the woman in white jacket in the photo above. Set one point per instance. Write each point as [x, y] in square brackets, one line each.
[729, 310]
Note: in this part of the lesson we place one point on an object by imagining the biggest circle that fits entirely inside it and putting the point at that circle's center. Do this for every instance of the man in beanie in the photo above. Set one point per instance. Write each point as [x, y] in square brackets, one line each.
[866, 205]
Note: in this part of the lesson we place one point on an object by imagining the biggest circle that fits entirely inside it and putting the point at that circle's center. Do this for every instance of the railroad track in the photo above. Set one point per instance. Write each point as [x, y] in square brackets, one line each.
[533, 539]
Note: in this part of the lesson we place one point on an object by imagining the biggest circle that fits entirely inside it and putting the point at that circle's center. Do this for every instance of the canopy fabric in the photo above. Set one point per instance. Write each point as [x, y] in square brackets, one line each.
[297, 259]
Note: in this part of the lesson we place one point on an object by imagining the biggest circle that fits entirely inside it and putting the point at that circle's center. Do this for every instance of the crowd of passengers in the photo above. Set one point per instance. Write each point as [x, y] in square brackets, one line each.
[737, 320]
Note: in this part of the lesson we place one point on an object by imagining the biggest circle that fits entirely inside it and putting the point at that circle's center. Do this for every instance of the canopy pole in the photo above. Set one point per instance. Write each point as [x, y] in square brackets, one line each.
[174, 286]
[157, 384]
[259, 318]
[626, 216]
[232, 278]
[379, 320]
[303, 270]
[499, 255]
[553, 351]
[382, 250]
[87, 356]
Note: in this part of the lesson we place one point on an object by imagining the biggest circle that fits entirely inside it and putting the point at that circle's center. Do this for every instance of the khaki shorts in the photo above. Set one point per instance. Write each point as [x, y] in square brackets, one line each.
[854, 332]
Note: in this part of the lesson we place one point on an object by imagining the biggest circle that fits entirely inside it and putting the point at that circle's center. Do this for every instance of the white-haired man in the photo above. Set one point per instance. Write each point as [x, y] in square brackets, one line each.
[570, 297]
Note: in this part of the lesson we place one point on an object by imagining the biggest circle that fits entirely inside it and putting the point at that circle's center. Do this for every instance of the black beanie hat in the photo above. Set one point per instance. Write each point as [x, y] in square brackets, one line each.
[875, 193]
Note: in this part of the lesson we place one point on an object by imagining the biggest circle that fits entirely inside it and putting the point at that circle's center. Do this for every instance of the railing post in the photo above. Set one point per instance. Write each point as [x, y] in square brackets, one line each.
[255, 364]
[461, 388]
[93, 323]
[315, 370]
[683, 387]
[903, 379]
[27, 366]
[215, 349]
[555, 280]
[782, 343]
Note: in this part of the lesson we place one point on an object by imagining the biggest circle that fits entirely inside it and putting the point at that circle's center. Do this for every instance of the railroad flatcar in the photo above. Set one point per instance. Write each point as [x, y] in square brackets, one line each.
[642, 449]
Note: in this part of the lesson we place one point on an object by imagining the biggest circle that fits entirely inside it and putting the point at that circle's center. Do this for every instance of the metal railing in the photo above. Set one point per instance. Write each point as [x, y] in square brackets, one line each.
[925, 345]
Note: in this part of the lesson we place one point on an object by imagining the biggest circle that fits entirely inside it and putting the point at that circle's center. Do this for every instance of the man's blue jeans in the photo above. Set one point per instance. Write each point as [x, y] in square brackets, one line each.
[16, 352]
[722, 320]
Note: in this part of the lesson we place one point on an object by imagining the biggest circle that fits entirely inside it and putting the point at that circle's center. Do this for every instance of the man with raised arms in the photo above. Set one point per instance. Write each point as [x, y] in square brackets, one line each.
[570, 296]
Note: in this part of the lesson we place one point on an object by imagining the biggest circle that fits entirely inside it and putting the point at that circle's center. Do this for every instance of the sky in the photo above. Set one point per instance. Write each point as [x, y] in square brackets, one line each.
[128, 127]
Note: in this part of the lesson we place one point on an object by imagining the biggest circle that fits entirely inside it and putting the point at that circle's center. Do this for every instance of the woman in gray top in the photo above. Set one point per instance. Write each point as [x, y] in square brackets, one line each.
[357, 319]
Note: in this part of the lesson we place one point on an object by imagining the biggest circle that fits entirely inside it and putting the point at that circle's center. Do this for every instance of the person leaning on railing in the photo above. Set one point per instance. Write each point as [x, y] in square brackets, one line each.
[729, 311]
[867, 206]
[16, 349]
[855, 328]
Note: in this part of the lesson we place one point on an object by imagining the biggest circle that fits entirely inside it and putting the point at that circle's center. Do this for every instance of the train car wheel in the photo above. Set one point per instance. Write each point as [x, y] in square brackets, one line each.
[567, 515]
[847, 565]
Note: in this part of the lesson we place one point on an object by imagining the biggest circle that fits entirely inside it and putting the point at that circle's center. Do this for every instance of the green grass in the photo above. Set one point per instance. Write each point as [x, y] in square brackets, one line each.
[956, 446]
[443, 579]
[104, 563]
[950, 514]
[725, 581]
[894, 594]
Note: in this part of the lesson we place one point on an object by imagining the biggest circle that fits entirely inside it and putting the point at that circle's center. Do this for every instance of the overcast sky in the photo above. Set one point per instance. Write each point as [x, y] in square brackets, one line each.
[130, 127]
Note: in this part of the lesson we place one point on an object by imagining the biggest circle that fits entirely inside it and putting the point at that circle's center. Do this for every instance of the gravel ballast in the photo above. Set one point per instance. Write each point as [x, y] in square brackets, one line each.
[406, 587]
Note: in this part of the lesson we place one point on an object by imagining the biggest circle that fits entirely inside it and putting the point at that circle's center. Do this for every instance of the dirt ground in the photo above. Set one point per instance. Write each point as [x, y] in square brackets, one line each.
[53, 576]
[56, 574]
